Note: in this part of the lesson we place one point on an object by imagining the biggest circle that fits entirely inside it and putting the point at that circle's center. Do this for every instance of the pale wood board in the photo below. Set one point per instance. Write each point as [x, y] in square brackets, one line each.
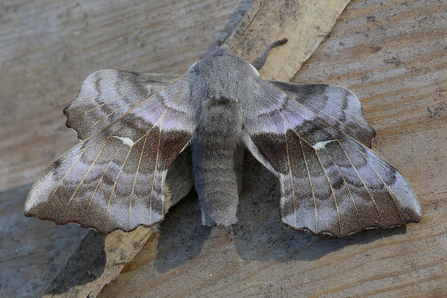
[48, 48]
[305, 23]
[73, 280]
[391, 54]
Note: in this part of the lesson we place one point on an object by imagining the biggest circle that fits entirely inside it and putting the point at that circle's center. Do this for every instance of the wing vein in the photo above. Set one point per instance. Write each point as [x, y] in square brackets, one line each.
[99, 182]
[135, 180]
[156, 166]
[65, 175]
[329, 115]
[349, 190]
[290, 172]
[363, 182]
[307, 169]
[309, 110]
[85, 176]
[102, 119]
[384, 184]
[332, 190]
[105, 103]
[114, 183]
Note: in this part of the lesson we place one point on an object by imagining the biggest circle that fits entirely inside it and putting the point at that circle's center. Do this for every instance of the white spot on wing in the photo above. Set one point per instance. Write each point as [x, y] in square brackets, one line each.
[126, 141]
[321, 145]
[193, 65]
[256, 71]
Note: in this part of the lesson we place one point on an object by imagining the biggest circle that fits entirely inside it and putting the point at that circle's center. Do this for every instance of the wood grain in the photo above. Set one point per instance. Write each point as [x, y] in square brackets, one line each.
[71, 281]
[390, 53]
[48, 48]
[304, 23]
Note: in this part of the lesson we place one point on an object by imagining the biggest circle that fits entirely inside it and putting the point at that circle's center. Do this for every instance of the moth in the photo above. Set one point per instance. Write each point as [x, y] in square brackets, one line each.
[314, 138]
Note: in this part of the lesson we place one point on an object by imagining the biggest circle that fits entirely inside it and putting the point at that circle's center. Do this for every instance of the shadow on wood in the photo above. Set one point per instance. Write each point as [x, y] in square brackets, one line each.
[259, 233]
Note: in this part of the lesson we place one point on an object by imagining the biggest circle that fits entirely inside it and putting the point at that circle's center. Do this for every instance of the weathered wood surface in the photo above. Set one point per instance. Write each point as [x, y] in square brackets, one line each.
[48, 48]
[391, 54]
[113, 250]
[305, 23]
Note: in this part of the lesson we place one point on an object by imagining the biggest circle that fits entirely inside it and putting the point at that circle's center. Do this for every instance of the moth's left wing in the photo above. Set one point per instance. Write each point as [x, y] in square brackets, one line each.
[133, 126]
[330, 182]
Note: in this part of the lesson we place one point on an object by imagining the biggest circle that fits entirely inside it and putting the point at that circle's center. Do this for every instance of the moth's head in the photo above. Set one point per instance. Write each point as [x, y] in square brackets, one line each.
[222, 74]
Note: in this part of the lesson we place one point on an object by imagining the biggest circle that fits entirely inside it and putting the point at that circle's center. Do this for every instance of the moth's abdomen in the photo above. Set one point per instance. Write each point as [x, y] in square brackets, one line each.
[217, 154]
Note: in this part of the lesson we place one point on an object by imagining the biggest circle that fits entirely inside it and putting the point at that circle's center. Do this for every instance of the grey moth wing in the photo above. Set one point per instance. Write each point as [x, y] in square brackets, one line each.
[114, 178]
[336, 105]
[108, 94]
[331, 183]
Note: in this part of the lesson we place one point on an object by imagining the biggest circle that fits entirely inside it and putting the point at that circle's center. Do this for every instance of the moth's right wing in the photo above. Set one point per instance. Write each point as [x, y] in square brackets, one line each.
[133, 126]
[315, 138]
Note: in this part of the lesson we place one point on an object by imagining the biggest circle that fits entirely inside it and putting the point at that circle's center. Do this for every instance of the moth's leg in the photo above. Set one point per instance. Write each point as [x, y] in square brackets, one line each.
[258, 61]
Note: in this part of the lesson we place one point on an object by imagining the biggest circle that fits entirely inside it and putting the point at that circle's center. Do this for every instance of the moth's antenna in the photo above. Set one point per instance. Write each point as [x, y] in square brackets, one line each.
[258, 61]
[212, 49]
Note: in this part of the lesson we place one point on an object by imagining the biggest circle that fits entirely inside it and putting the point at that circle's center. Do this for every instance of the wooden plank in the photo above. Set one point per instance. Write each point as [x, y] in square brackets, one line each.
[95, 261]
[304, 23]
[31, 251]
[48, 48]
[392, 55]
[71, 282]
